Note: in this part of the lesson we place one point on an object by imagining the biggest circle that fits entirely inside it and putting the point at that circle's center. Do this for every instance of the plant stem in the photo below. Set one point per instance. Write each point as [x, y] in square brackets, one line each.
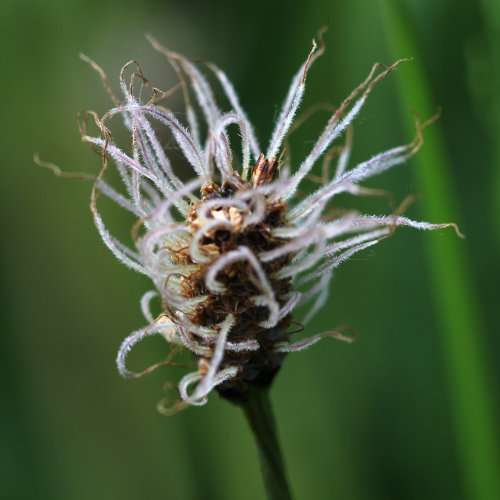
[258, 412]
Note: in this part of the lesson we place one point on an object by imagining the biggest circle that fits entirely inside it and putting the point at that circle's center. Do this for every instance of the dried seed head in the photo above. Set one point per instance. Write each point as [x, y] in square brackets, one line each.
[232, 262]
[226, 229]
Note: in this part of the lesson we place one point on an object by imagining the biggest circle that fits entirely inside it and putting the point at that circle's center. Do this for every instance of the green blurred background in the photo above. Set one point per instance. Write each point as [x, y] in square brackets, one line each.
[406, 412]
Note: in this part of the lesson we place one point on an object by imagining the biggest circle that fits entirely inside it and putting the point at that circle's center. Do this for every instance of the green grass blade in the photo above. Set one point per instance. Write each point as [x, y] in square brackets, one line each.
[457, 307]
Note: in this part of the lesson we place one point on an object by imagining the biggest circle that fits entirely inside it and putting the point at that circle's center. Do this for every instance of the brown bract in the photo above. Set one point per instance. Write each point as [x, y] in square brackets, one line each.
[264, 170]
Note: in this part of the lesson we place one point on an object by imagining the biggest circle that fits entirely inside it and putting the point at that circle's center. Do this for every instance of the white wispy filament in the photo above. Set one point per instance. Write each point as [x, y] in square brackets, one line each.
[181, 234]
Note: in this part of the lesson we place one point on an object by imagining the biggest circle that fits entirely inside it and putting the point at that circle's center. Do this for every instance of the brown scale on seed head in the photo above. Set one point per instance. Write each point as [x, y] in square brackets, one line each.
[256, 367]
[264, 170]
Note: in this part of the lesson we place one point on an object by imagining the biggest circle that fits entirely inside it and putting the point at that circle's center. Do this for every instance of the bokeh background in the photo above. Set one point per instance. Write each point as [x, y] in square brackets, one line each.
[407, 411]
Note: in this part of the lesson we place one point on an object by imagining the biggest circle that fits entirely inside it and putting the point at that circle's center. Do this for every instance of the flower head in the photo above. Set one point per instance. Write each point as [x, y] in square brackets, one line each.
[234, 251]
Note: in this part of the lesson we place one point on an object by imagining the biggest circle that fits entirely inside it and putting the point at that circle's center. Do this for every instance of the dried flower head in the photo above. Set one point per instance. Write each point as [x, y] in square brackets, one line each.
[234, 251]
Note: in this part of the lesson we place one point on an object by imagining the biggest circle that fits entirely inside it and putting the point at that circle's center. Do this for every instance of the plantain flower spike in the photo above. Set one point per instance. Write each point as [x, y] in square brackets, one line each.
[233, 252]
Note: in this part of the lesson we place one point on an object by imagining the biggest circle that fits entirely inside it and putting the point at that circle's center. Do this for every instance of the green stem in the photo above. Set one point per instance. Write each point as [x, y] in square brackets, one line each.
[258, 412]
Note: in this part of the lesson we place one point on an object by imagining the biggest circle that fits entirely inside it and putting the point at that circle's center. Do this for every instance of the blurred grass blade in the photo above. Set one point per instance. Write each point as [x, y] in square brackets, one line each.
[457, 308]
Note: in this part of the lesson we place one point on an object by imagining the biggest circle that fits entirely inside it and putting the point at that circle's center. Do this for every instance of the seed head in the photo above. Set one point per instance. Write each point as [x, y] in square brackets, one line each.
[234, 251]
